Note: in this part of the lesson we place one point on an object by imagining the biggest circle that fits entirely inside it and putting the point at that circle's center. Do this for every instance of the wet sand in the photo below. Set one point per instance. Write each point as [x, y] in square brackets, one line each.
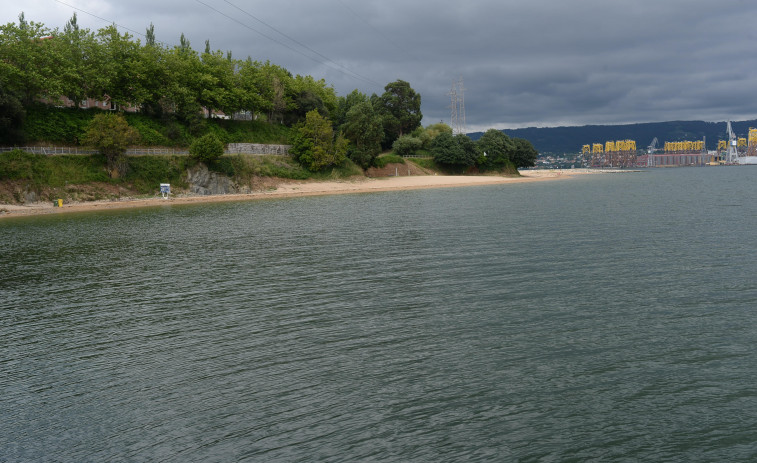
[296, 189]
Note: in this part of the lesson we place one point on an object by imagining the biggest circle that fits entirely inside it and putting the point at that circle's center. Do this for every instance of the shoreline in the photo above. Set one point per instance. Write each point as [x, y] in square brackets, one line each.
[291, 189]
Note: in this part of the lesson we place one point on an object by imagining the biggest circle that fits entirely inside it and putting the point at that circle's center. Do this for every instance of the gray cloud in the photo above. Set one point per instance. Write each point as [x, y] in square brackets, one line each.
[539, 62]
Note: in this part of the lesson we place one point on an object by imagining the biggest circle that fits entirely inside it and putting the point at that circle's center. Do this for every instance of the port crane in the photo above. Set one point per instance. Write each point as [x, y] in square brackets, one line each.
[732, 153]
[653, 146]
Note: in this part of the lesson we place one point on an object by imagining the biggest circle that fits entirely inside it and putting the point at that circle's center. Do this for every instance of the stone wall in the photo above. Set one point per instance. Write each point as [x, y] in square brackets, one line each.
[257, 148]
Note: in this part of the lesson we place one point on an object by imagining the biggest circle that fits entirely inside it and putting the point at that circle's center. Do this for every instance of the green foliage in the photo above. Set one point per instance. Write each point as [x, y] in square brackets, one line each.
[362, 127]
[525, 153]
[459, 150]
[146, 173]
[427, 135]
[110, 134]
[20, 165]
[400, 107]
[12, 116]
[56, 125]
[346, 169]
[426, 163]
[407, 145]
[315, 146]
[385, 159]
[151, 131]
[345, 103]
[67, 125]
[207, 148]
[496, 150]
[54, 171]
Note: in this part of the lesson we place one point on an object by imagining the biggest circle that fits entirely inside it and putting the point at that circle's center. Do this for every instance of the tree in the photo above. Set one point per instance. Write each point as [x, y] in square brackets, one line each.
[429, 133]
[362, 128]
[451, 150]
[29, 60]
[207, 148]
[345, 103]
[248, 87]
[314, 145]
[496, 150]
[150, 35]
[407, 145]
[83, 70]
[305, 94]
[525, 154]
[121, 72]
[216, 82]
[12, 116]
[154, 77]
[110, 134]
[400, 106]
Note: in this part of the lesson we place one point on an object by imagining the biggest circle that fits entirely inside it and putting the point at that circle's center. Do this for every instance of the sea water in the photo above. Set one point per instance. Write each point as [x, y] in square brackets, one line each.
[600, 318]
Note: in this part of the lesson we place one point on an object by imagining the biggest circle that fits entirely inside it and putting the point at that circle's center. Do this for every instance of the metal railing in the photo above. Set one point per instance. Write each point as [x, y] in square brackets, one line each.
[49, 150]
[418, 156]
[236, 148]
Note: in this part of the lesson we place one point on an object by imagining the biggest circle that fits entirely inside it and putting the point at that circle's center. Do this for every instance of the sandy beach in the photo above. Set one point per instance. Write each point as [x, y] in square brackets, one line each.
[295, 189]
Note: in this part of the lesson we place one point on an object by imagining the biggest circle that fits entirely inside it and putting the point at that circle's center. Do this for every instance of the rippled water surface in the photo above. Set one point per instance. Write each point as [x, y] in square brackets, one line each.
[601, 318]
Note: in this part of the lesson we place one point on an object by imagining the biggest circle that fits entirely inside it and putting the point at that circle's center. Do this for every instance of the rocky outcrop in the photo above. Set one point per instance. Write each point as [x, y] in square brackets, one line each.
[204, 182]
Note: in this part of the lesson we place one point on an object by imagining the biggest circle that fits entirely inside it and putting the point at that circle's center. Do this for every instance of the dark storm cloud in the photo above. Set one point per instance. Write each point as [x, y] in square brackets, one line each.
[539, 62]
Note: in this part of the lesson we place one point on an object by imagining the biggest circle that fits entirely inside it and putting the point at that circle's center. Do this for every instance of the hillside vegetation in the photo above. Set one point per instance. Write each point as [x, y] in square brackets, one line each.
[162, 96]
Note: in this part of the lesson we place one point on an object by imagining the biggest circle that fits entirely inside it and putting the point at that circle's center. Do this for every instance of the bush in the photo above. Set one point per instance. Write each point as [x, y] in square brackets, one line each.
[407, 145]
[458, 150]
[111, 135]
[314, 145]
[207, 148]
[382, 161]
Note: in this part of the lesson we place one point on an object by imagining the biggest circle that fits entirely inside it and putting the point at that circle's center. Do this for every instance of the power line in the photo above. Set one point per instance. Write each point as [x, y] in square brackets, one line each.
[302, 44]
[384, 36]
[106, 20]
[346, 71]
[325, 63]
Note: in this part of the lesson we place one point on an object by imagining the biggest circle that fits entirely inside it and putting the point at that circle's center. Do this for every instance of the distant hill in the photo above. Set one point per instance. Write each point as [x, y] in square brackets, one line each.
[558, 140]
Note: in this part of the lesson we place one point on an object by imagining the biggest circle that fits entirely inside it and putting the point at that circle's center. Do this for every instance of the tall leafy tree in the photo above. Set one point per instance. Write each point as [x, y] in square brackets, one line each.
[362, 128]
[252, 91]
[315, 146]
[525, 154]
[83, 72]
[150, 35]
[121, 83]
[400, 106]
[306, 94]
[184, 69]
[496, 150]
[29, 60]
[216, 83]
[345, 103]
[153, 76]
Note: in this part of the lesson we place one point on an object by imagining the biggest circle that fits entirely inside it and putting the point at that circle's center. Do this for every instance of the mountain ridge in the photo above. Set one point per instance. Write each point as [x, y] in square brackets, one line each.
[570, 139]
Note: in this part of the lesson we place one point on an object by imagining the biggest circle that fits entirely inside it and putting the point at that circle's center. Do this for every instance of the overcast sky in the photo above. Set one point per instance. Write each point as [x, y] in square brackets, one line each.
[524, 63]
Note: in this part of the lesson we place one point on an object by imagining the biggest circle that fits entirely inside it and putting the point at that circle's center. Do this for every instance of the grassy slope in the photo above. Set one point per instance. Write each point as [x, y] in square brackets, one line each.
[84, 177]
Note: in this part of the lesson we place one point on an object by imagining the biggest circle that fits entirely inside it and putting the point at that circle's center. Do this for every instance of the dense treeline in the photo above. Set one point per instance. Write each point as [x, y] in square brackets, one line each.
[180, 87]
[41, 63]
